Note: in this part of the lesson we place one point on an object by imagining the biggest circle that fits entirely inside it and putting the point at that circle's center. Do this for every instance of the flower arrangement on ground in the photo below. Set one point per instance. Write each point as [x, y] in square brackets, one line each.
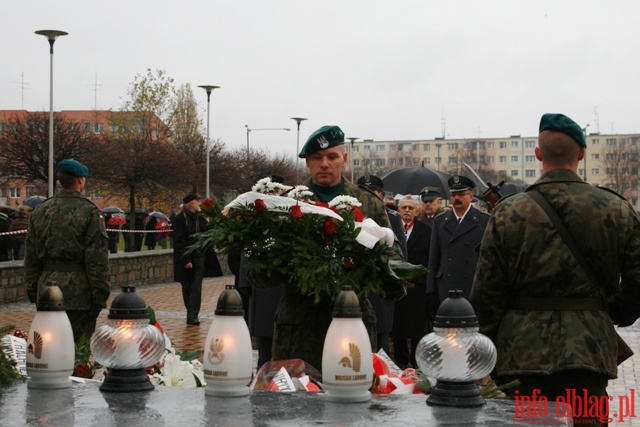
[318, 246]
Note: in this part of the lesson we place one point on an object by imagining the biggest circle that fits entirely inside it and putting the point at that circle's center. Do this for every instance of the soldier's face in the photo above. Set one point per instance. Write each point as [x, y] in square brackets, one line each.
[430, 207]
[325, 166]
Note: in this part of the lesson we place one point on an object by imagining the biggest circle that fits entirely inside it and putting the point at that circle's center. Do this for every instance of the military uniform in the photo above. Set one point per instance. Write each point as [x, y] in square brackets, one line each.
[67, 243]
[522, 255]
[428, 219]
[301, 325]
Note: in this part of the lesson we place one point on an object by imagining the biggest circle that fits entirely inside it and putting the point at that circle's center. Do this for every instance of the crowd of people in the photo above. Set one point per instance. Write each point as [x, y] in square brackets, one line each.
[553, 325]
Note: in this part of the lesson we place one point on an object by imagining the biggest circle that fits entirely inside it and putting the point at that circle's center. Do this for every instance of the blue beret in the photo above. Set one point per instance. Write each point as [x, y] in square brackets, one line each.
[73, 168]
[562, 123]
[325, 137]
[460, 183]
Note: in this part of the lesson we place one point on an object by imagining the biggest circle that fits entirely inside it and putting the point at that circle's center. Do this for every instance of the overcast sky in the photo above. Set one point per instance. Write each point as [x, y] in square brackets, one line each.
[382, 70]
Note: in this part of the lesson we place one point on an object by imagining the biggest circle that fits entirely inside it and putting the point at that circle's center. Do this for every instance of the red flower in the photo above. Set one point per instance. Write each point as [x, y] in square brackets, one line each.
[329, 226]
[349, 265]
[207, 202]
[260, 205]
[322, 204]
[19, 333]
[296, 213]
[357, 215]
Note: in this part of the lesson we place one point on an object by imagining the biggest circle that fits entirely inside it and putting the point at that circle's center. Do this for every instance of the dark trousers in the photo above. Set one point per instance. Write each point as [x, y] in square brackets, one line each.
[264, 350]
[404, 352]
[82, 323]
[383, 342]
[192, 288]
[563, 384]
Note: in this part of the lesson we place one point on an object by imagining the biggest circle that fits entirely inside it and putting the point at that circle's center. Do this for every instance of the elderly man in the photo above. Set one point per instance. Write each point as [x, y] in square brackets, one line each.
[188, 268]
[67, 243]
[535, 300]
[301, 324]
[431, 206]
[454, 238]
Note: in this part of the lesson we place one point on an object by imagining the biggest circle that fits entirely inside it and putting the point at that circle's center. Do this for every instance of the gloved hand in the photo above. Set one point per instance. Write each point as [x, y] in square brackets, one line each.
[433, 302]
[32, 294]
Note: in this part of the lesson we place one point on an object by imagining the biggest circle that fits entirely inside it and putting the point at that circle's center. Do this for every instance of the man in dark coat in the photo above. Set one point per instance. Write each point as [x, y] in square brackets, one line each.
[454, 238]
[410, 321]
[188, 269]
[383, 307]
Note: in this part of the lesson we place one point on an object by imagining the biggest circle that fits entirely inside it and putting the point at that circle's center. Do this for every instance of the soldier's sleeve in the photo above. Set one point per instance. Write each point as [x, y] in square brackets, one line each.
[32, 265]
[96, 258]
[625, 308]
[490, 292]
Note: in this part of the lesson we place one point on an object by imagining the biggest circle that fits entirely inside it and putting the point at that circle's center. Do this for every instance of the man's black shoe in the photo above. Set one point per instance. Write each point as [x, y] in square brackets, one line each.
[195, 322]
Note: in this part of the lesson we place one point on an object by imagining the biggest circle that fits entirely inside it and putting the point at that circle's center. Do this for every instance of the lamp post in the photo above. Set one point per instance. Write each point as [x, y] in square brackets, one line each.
[208, 89]
[51, 36]
[352, 163]
[250, 130]
[298, 121]
[584, 129]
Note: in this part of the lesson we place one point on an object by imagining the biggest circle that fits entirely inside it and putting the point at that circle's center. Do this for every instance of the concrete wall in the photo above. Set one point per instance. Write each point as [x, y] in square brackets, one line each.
[129, 268]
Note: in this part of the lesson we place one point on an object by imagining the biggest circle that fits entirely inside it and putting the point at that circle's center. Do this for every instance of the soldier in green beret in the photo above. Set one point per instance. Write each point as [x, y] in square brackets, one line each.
[532, 297]
[301, 324]
[67, 244]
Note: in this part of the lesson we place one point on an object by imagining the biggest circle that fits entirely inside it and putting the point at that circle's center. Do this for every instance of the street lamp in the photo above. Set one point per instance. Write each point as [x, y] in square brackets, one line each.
[208, 89]
[298, 121]
[250, 130]
[51, 36]
[353, 164]
[584, 129]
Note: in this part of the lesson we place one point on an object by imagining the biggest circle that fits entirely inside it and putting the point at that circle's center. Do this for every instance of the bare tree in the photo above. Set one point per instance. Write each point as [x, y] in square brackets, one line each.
[619, 159]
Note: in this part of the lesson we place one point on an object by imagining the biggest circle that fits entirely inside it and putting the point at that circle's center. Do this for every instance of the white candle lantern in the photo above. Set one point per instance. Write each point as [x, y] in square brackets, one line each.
[347, 361]
[456, 354]
[228, 354]
[50, 349]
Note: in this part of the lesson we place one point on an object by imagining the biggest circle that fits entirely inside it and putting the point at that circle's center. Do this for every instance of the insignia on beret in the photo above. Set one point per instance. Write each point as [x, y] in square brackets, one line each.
[73, 167]
[460, 183]
[325, 137]
[562, 123]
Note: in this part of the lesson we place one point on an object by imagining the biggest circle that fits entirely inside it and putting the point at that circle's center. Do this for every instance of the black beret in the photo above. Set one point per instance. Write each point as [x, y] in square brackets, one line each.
[562, 123]
[371, 181]
[460, 183]
[190, 197]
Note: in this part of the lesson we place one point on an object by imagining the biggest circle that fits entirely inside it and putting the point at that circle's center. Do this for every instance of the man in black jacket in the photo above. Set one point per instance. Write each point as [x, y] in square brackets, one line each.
[188, 269]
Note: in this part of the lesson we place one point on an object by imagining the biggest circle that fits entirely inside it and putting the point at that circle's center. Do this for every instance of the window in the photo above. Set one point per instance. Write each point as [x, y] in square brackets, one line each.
[515, 144]
[379, 147]
[503, 159]
[514, 172]
[595, 141]
[489, 159]
[426, 147]
[452, 146]
[489, 145]
[73, 127]
[356, 148]
[530, 159]
[595, 171]
[625, 142]
[595, 156]
[414, 147]
[611, 142]
[87, 126]
[356, 162]
[2, 126]
[427, 161]
[438, 160]
[393, 147]
[392, 162]
[610, 171]
[380, 162]
[15, 193]
[530, 173]
[98, 127]
[503, 144]
[366, 148]
[453, 160]
[529, 144]
[610, 156]
[514, 159]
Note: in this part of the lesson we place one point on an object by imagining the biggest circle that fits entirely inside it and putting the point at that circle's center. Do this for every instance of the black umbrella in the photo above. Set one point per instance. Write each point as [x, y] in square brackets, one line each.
[159, 215]
[112, 209]
[413, 180]
[34, 201]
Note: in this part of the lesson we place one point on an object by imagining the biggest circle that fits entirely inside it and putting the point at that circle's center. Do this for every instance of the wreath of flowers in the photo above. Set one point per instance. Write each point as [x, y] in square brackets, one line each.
[318, 246]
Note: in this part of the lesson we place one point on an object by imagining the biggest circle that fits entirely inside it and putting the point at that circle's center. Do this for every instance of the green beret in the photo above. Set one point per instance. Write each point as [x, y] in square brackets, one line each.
[325, 137]
[562, 123]
[73, 168]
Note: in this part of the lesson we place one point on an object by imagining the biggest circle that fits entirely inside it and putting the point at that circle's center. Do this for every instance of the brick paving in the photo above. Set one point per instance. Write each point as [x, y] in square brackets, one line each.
[166, 300]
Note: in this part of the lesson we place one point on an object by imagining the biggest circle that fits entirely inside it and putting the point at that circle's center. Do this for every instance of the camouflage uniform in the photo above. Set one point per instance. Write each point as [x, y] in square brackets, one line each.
[301, 325]
[522, 255]
[67, 243]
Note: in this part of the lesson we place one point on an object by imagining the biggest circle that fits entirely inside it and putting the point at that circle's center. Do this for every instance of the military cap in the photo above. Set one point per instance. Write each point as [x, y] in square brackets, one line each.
[325, 137]
[460, 183]
[371, 181]
[427, 196]
[73, 167]
[190, 197]
[562, 123]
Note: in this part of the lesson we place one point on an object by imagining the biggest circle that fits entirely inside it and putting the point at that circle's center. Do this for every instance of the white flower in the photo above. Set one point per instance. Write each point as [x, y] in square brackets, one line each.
[344, 202]
[266, 186]
[175, 372]
[300, 193]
